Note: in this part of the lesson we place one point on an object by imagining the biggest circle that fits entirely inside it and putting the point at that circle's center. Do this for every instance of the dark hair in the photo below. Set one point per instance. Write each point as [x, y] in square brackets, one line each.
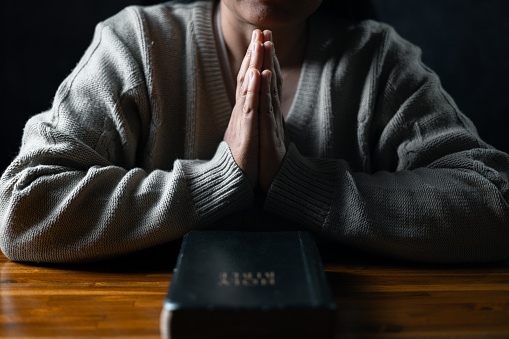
[350, 9]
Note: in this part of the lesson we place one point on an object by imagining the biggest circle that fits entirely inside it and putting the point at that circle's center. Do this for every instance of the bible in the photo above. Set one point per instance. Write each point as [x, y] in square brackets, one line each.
[248, 285]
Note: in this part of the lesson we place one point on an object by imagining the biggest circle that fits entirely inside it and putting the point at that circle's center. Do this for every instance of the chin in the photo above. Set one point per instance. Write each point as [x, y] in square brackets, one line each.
[274, 14]
[274, 20]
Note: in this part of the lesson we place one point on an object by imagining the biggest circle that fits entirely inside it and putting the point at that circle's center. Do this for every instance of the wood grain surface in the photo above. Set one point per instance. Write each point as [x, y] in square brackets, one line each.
[122, 298]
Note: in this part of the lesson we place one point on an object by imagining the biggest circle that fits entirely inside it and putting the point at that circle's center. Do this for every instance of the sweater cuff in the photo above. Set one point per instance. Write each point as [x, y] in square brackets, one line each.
[303, 189]
[217, 187]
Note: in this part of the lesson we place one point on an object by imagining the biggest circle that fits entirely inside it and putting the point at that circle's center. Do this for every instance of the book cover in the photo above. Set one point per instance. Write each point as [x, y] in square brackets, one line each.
[248, 285]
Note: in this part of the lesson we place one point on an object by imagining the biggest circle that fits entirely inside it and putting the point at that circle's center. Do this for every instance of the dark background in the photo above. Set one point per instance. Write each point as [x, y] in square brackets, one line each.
[465, 41]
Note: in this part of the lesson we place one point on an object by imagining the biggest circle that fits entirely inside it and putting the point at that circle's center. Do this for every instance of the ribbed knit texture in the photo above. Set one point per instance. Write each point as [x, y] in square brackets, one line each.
[125, 159]
[131, 153]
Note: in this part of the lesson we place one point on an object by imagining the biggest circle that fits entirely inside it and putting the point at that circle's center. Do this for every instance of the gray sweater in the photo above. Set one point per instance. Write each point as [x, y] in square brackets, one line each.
[131, 155]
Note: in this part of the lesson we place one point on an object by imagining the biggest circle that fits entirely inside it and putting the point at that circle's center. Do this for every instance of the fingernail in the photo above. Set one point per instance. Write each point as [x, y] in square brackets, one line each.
[253, 37]
[269, 35]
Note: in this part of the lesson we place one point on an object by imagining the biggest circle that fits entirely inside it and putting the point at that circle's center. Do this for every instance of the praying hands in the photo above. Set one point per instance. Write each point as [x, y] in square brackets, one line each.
[256, 133]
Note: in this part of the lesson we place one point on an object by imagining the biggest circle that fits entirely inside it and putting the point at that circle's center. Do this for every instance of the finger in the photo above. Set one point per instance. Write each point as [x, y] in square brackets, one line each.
[266, 116]
[251, 102]
[266, 94]
[268, 64]
[267, 34]
[256, 50]
[256, 60]
[242, 71]
[271, 63]
[279, 75]
[246, 62]
[252, 59]
[272, 148]
[268, 58]
[258, 36]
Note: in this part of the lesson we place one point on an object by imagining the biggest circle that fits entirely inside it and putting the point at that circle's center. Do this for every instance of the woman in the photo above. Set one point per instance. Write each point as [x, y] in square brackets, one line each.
[335, 124]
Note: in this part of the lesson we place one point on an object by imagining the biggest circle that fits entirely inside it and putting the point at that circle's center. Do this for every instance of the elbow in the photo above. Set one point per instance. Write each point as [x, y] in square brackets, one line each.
[16, 236]
[29, 247]
[13, 247]
[25, 221]
[23, 236]
[18, 246]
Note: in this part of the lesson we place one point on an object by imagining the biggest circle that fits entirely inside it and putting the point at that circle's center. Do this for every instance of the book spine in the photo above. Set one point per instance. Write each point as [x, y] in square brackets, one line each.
[167, 305]
[315, 275]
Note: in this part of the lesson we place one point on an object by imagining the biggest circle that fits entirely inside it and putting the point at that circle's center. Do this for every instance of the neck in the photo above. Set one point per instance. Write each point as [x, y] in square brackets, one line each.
[289, 41]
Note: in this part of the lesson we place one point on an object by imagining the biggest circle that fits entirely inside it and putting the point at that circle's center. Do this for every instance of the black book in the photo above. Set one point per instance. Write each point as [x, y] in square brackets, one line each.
[248, 285]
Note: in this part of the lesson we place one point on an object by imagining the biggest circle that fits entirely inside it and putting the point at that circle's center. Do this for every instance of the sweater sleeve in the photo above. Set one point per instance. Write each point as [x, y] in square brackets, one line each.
[433, 192]
[77, 190]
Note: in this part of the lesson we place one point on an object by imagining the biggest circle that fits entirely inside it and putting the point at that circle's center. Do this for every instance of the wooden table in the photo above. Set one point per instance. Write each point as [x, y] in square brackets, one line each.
[375, 297]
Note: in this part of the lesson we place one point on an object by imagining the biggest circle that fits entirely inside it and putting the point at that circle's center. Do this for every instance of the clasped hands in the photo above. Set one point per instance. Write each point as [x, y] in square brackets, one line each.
[256, 132]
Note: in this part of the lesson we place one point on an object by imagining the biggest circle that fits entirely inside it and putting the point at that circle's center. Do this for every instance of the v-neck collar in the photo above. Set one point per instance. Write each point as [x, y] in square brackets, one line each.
[222, 53]
[305, 95]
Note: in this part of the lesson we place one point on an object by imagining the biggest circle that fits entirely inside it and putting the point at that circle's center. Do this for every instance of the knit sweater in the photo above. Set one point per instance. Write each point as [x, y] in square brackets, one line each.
[131, 154]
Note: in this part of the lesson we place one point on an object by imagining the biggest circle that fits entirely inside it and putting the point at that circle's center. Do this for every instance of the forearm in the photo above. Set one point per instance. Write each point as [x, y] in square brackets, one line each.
[429, 214]
[58, 214]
